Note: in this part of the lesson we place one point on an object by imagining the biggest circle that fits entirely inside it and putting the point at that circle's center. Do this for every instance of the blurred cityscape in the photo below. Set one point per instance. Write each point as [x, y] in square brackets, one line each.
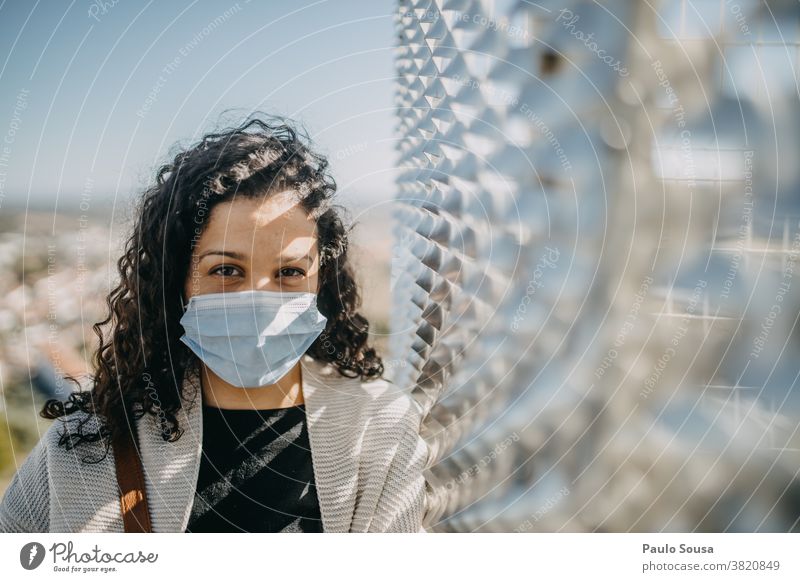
[53, 270]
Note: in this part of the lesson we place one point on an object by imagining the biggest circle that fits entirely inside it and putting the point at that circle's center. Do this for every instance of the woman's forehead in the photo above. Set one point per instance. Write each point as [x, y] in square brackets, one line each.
[278, 222]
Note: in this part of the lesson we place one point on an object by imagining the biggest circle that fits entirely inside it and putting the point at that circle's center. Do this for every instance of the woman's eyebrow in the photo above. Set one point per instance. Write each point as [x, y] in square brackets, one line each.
[293, 258]
[241, 257]
[231, 254]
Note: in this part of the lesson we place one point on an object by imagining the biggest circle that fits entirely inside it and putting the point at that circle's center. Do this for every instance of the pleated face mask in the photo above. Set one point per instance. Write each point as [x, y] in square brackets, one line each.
[251, 338]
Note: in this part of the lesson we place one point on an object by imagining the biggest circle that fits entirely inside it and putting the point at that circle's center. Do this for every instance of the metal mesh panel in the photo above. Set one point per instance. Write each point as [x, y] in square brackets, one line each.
[594, 277]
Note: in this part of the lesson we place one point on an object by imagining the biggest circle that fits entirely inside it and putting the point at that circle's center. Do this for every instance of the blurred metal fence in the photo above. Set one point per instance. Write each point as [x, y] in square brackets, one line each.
[595, 268]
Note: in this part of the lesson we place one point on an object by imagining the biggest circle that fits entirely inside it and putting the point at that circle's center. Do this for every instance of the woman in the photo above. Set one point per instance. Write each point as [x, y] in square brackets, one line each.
[236, 351]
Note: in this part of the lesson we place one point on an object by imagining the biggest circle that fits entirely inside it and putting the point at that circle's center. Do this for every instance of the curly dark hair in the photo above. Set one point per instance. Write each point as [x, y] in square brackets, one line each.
[140, 368]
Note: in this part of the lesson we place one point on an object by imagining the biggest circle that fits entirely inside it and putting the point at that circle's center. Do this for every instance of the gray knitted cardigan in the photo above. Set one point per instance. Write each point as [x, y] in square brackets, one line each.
[366, 450]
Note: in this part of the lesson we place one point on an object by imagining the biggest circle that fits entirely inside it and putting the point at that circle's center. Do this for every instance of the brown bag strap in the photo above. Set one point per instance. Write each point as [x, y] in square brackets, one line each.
[130, 477]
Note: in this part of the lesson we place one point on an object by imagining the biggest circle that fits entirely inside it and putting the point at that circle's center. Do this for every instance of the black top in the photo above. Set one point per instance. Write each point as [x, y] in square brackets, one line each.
[256, 473]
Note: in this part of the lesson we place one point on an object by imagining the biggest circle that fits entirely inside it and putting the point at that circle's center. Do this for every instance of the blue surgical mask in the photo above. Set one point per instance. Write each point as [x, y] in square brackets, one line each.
[251, 338]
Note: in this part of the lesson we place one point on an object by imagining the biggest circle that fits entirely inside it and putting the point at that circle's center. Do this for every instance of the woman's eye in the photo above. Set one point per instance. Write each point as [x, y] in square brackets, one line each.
[226, 271]
[291, 272]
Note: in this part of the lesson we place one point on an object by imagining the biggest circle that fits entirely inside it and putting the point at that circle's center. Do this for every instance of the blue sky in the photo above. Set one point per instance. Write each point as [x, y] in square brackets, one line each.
[94, 94]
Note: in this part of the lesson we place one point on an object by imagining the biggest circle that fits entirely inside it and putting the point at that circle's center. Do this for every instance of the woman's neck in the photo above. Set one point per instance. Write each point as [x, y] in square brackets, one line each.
[285, 393]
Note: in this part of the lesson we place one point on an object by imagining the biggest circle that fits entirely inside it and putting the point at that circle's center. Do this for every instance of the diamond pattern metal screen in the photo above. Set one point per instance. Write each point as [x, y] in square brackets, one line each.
[595, 272]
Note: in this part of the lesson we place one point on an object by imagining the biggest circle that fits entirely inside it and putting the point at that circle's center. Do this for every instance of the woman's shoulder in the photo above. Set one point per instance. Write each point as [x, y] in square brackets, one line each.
[390, 401]
[72, 445]
[25, 503]
[395, 422]
[377, 394]
[380, 402]
[66, 431]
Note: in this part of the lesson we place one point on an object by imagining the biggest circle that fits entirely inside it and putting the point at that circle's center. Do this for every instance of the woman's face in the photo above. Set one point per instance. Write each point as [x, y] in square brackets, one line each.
[256, 244]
